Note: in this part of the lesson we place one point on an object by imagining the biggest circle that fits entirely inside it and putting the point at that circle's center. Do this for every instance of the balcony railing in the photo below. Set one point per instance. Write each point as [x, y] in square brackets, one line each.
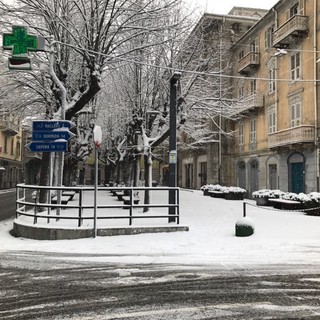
[249, 62]
[287, 137]
[249, 104]
[294, 27]
[9, 127]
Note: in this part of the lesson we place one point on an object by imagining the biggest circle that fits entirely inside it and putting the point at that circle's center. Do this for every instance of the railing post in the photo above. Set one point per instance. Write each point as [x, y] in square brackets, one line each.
[80, 208]
[178, 206]
[35, 208]
[130, 209]
[244, 209]
[17, 198]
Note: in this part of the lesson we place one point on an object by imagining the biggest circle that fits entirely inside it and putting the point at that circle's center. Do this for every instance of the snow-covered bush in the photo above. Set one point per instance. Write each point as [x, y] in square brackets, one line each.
[212, 187]
[267, 193]
[234, 190]
[304, 198]
[290, 196]
[315, 196]
[218, 187]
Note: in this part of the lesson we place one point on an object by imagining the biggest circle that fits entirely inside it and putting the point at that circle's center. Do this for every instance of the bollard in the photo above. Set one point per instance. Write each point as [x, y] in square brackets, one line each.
[244, 227]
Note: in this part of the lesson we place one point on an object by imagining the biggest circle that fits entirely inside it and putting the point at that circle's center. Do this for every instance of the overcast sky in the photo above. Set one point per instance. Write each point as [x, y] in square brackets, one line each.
[224, 6]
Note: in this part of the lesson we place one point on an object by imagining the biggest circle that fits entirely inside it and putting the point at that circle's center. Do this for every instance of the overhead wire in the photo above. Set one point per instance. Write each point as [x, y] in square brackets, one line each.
[193, 72]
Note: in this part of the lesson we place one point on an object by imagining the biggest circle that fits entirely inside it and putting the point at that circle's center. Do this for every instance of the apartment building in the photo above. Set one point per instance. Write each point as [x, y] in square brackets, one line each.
[209, 48]
[276, 95]
[11, 171]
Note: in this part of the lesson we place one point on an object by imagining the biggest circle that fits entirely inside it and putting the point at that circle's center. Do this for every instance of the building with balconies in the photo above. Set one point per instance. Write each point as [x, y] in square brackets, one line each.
[200, 161]
[11, 170]
[276, 142]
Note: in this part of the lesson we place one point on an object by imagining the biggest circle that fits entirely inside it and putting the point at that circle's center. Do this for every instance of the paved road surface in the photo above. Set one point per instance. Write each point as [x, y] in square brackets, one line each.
[50, 286]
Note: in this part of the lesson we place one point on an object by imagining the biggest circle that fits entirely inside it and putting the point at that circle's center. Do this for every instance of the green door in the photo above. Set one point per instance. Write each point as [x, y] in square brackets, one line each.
[297, 181]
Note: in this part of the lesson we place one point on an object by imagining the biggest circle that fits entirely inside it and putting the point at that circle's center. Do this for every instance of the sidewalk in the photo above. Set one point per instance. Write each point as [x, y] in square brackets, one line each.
[280, 237]
[110, 221]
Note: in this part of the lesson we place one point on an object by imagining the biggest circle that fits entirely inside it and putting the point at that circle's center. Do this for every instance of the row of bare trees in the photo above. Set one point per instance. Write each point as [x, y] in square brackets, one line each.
[112, 63]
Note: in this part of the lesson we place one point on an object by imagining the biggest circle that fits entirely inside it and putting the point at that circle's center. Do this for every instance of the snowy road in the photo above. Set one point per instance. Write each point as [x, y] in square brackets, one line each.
[37, 285]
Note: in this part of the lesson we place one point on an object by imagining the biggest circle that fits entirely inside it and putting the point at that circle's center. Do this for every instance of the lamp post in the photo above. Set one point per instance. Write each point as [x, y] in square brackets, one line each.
[174, 82]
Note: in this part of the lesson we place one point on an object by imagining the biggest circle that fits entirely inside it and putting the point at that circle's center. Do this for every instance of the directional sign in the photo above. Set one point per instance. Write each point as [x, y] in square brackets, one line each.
[49, 125]
[51, 135]
[20, 42]
[42, 146]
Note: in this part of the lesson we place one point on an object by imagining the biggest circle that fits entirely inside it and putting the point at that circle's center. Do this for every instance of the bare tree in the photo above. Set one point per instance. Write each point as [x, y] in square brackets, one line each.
[89, 38]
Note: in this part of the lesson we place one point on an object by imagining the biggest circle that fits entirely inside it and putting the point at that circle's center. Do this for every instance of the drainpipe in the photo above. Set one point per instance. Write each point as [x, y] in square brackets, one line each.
[315, 94]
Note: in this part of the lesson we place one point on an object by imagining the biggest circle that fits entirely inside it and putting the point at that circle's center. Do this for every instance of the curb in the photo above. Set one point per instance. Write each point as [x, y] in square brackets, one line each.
[43, 233]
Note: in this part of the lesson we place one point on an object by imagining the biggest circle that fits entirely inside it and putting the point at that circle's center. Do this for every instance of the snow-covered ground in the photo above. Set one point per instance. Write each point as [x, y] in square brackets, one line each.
[280, 237]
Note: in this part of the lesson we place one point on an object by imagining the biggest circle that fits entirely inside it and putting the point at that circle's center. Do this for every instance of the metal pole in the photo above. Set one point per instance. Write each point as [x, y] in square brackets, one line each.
[95, 191]
[244, 210]
[174, 81]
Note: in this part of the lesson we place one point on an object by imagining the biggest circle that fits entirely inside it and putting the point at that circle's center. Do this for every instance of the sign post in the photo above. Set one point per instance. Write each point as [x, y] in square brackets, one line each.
[50, 135]
[97, 137]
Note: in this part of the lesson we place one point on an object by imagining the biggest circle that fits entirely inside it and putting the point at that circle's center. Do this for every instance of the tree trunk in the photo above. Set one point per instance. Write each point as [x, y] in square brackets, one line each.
[44, 179]
[146, 183]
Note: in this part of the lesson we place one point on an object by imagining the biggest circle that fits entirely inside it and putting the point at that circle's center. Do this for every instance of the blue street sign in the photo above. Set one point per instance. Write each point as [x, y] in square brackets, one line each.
[51, 135]
[48, 125]
[54, 146]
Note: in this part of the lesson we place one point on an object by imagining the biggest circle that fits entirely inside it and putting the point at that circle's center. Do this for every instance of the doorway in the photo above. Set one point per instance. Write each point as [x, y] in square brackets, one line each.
[296, 167]
[273, 177]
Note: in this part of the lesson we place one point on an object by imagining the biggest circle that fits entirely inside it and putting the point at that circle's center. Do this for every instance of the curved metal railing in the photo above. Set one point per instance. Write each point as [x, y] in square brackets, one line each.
[29, 205]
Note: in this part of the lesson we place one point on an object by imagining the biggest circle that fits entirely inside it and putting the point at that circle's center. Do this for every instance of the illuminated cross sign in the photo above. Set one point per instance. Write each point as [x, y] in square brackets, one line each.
[20, 42]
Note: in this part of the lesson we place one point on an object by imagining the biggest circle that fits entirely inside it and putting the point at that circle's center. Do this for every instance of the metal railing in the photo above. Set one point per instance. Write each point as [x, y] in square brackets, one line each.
[27, 204]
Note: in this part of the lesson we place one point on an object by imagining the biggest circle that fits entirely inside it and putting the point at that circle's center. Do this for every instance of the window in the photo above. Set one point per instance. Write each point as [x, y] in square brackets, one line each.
[295, 112]
[241, 54]
[295, 66]
[253, 86]
[294, 10]
[254, 46]
[240, 92]
[5, 147]
[272, 120]
[269, 37]
[241, 134]
[272, 82]
[18, 147]
[253, 130]
[12, 146]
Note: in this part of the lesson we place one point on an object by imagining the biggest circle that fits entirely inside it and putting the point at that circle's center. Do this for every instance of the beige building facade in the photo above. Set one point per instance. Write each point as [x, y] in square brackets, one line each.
[276, 142]
[11, 171]
[274, 101]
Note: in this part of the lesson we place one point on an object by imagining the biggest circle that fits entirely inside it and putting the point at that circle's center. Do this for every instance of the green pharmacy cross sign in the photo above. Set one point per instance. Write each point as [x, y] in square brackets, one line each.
[20, 42]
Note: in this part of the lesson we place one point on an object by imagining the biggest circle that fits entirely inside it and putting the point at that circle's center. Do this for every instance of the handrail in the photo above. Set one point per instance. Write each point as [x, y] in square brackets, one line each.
[22, 203]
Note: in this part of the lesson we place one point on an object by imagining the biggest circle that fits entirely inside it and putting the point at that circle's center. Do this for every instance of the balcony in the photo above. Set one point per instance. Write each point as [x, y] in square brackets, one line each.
[9, 127]
[292, 136]
[249, 104]
[249, 62]
[295, 27]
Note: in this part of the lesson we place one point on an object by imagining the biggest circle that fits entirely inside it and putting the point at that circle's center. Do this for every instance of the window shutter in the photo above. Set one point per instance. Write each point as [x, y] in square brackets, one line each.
[266, 39]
